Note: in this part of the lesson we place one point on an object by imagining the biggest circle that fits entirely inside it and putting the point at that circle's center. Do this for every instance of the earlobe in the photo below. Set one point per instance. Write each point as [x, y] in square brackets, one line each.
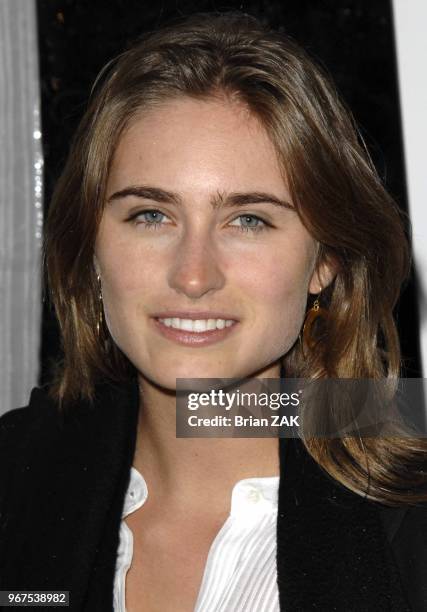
[96, 266]
[323, 275]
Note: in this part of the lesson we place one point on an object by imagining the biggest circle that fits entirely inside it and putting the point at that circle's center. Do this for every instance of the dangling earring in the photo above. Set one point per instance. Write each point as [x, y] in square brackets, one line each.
[100, 321]
[313, 315]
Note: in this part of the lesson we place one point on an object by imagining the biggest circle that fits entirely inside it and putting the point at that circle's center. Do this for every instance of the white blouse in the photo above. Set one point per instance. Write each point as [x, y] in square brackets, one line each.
[240, 573]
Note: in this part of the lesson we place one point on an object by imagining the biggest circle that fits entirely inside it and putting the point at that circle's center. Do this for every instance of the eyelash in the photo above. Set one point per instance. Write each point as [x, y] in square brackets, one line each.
[154, 226]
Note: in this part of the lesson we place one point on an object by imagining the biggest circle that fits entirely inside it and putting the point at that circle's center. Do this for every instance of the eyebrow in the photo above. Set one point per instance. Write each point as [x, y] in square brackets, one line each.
[219, 200]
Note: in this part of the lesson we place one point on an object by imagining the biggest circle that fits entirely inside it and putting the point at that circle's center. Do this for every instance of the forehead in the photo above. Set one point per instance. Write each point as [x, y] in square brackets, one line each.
[198, 139]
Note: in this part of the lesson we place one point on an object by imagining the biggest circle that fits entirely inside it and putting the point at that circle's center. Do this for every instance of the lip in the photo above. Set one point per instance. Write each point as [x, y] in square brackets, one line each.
[186, 314]
[194, 339]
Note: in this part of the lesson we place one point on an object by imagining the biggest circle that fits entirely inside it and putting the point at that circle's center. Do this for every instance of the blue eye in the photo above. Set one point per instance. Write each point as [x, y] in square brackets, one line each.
[156, 216]
[151, 218]
[253, 223]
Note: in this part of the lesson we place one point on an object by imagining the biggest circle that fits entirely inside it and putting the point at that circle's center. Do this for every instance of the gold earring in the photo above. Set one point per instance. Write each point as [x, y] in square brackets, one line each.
[313, 315]
[100, 321]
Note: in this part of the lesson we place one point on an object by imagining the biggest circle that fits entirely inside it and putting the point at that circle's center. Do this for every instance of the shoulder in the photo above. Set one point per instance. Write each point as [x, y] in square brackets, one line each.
[16, 423]
[406, 529]
[41, 443]
[20, 427]
[42, 428]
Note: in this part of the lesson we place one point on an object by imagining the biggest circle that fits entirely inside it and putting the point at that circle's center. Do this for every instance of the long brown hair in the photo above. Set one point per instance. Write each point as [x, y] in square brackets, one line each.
[333, 185]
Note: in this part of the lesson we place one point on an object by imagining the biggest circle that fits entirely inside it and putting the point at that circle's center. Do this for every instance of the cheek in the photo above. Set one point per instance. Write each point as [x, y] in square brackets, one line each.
[125, 290]
[125, 265]
[278, 283]
[127, 278]
[278, 290]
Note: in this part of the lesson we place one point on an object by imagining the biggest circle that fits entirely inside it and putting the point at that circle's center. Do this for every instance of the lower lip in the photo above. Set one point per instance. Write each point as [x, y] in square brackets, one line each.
[194, 338]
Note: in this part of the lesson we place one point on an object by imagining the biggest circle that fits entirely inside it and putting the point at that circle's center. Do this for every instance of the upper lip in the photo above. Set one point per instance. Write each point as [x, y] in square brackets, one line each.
[180, 314]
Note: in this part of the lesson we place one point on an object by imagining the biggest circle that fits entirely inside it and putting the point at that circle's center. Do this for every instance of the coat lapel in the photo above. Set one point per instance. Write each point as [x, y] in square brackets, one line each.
[332, 551]
[69, 488]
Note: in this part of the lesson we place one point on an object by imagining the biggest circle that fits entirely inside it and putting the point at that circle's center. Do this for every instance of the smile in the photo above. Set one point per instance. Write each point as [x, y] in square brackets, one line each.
[194, 332]
[197, 325]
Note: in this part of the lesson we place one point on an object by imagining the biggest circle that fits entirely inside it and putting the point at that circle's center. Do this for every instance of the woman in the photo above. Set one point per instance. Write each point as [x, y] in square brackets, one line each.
[215, 196]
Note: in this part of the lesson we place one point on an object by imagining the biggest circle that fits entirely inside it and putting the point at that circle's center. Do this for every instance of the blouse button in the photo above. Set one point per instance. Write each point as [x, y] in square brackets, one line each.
[254, 496]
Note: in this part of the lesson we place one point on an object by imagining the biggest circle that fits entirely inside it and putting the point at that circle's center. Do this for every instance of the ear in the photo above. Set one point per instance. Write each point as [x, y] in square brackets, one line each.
[323, 274]
[96, 266]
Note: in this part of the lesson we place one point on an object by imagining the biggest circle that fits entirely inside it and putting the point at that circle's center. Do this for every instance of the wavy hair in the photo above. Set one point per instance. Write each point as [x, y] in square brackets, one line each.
[334, 187]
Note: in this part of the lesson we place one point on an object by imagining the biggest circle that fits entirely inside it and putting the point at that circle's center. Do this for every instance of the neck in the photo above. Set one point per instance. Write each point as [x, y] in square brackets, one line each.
[194, 468]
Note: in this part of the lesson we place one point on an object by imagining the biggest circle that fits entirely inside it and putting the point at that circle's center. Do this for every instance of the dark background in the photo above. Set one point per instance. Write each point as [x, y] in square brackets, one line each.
[353, 39]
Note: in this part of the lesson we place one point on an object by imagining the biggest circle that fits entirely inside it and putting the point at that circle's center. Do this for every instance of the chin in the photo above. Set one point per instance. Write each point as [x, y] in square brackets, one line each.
[169, 382]
[195, 374]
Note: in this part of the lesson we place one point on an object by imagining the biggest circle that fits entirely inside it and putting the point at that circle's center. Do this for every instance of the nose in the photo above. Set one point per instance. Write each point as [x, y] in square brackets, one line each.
[196, 269]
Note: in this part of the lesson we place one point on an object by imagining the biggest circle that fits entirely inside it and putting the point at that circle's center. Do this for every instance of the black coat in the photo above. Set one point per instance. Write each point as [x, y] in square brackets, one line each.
[62, 486]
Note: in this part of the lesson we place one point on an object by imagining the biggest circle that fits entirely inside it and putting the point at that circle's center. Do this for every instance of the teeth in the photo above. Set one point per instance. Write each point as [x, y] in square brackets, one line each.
[185, 324]
[197, 325]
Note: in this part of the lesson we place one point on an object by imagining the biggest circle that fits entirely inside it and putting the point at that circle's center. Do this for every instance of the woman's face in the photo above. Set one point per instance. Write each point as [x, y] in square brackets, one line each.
[199, 225]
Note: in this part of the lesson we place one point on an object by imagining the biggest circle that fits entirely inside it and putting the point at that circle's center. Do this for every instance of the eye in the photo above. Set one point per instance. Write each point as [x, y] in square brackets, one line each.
[152, 219]
[251, 223]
